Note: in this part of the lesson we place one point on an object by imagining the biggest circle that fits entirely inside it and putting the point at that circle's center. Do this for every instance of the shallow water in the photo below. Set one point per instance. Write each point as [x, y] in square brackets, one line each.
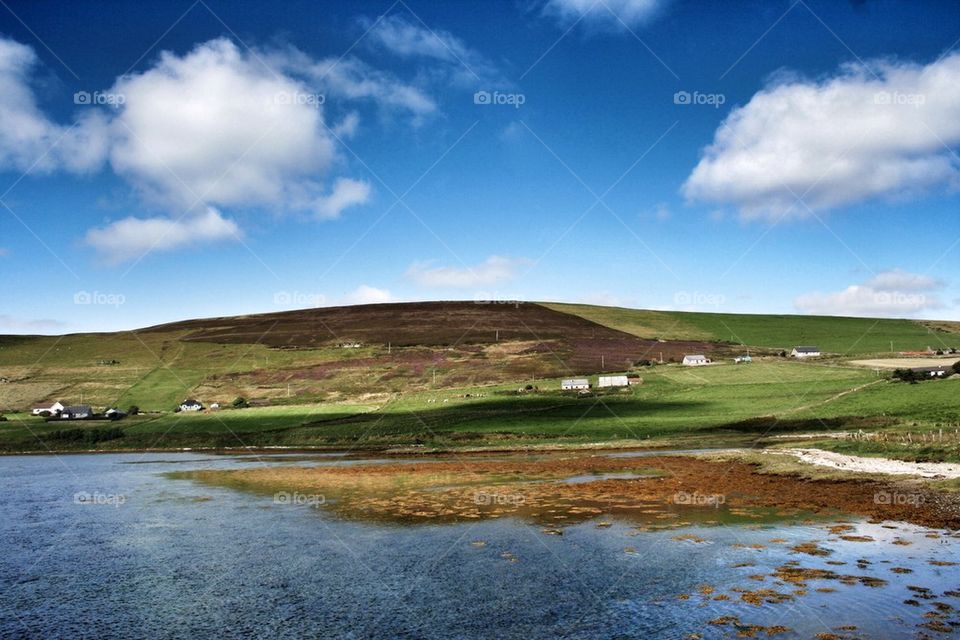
[148, 556]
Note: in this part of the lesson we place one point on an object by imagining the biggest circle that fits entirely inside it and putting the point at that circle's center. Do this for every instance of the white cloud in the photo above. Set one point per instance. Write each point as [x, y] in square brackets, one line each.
[893, 293]
[850, 138]
[493, 270]
[131, 238]
[365, 294]
[411, 39]
[29, 141]
[19, 325]
[610, 13]
[345, 193]
[218, 127]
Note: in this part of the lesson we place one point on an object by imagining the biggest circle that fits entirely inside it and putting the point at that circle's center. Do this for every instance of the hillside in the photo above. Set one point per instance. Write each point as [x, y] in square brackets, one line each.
[843, 336]
[375, 351]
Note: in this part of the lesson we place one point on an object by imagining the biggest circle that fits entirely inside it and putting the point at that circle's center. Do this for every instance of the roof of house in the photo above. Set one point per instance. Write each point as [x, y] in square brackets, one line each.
[190, 402]
[577, 381]
[807, 349]
[929, 369]
[695, 356]
[78, 408]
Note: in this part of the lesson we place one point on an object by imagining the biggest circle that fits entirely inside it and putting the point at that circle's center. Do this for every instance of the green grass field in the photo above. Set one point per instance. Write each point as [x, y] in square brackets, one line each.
[681, 406]
[844, 336]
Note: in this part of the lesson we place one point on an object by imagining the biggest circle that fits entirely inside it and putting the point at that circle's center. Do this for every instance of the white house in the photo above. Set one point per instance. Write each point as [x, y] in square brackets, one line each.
[743, 360]
[55, 409]
[696, 360]
[612, 381]
[575, 384]
[805, 352]
[933, 372]
[190, 405]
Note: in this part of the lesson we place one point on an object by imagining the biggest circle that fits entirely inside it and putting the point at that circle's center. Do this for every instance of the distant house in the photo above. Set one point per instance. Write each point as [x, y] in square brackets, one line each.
[743, 360]
[633, 379]
[215, 406]
[53, 410]
[114, 413]
[76, 412]
[612, 381]
[575, 384]
[805, 352]
[190, 405]
[695, 360]
[933, 372]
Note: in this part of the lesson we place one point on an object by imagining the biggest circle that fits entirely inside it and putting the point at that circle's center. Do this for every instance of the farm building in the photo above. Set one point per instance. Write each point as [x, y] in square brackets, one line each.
[612, 381]
[805, 352]
[76, 412]
[696, 360]
[53, 409]
[190, 405]
[575, 384]
[743, 360]
[633, 379]
[933, 372]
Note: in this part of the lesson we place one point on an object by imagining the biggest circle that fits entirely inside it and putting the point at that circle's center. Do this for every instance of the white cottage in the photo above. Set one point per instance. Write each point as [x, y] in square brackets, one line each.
[575, 384]
[805, 352]
[695, 360]
[612, 381]
[55, 409]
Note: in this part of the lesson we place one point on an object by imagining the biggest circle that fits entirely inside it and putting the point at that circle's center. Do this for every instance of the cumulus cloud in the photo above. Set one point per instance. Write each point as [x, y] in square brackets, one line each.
[861, 134]
[365, 294]
[493, 270]
[894, 293]
[611, 13]
[345, 193]
[218, 127]
[132, 238]
[29, 141]
[214, 128]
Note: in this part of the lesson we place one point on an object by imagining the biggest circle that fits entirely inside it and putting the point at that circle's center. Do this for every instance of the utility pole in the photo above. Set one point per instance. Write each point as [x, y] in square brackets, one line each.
[603, 366]
[389, 348]
[498, 335]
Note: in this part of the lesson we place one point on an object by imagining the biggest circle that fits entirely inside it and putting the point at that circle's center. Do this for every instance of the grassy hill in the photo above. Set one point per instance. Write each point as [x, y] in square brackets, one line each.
[420, 367]
[843, 336]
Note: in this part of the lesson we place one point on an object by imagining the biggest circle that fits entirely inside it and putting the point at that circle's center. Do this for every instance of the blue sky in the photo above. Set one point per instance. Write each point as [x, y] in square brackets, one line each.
[182, 159]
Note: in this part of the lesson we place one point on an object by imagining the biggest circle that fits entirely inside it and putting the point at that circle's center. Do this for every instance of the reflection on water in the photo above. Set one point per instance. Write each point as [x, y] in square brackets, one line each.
[176, 558]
